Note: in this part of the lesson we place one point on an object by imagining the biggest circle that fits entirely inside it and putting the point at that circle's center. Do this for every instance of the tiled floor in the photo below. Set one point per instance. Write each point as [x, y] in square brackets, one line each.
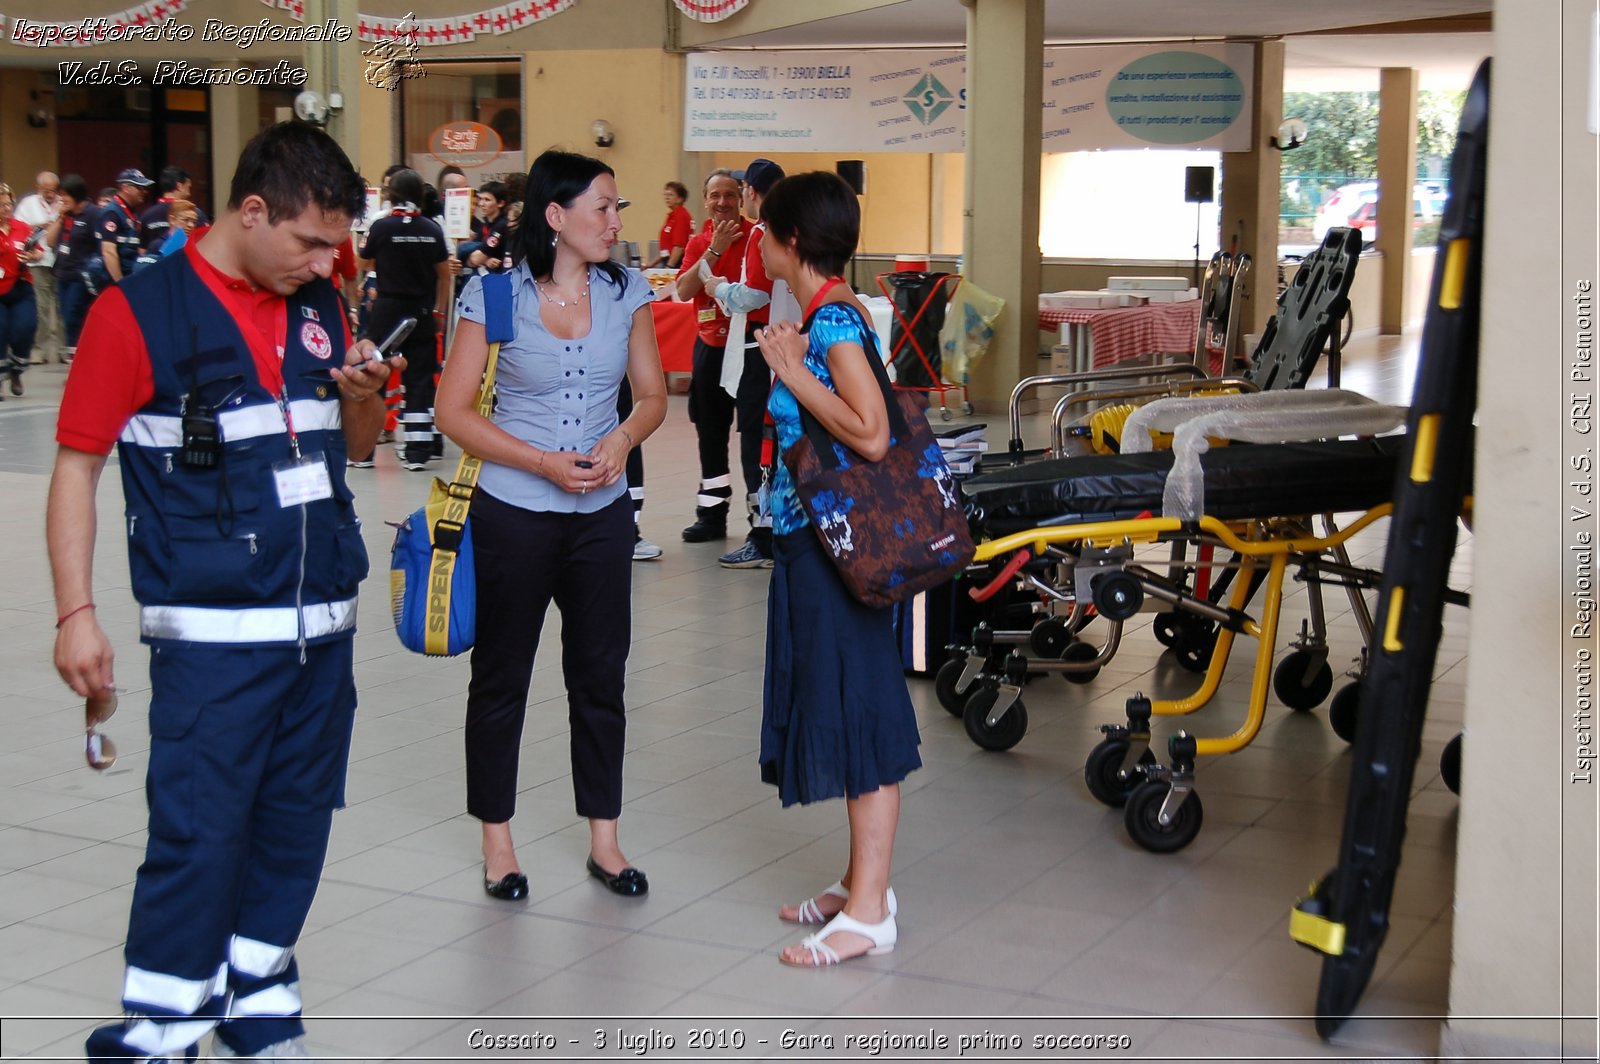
[1025, 907]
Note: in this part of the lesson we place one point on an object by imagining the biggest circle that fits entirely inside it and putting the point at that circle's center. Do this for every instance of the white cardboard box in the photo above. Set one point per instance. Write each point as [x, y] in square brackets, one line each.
[1142, 284]
[1186, 296]
[1129, 299]
[1077, 300]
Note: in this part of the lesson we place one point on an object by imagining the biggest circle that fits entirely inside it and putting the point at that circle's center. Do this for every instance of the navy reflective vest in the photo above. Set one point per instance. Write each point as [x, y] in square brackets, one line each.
[213, 556]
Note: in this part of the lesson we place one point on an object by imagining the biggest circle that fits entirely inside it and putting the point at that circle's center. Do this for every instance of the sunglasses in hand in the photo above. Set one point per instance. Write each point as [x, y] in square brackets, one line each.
[98, 750]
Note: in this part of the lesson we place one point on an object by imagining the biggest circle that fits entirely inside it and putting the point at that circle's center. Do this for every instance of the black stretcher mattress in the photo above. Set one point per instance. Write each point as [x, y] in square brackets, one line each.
[1241, 481]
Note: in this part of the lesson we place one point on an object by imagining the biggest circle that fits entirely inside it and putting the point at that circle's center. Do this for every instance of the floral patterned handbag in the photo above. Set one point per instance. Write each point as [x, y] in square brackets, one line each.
[894, 527]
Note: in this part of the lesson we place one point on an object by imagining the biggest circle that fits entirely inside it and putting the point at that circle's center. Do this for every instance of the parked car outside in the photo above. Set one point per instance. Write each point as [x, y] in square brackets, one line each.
[1356, 205]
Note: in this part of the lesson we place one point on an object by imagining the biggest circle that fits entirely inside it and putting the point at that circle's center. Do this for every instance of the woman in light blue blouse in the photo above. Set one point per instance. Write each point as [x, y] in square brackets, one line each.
[836, 718]
[552, 520]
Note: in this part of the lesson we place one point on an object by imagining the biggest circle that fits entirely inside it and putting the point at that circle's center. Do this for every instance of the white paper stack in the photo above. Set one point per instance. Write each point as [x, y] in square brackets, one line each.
[962, 447]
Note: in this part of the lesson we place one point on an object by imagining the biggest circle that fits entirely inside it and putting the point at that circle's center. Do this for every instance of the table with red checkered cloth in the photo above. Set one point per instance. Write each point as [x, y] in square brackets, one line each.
[1120, 333]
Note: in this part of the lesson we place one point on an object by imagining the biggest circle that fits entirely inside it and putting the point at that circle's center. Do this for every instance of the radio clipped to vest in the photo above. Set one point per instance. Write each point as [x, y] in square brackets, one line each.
[202, 438]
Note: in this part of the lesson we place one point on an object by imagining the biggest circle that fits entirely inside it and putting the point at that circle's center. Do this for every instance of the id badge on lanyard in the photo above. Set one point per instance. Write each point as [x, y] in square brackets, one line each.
[304, 477]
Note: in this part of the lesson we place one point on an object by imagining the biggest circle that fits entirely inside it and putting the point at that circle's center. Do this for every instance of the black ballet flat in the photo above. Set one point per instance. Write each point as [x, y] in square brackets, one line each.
[513, 886]
[630, 882]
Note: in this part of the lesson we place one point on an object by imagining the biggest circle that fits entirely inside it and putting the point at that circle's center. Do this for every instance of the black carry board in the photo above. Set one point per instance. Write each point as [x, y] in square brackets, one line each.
[1352, 901]
[1309, 312]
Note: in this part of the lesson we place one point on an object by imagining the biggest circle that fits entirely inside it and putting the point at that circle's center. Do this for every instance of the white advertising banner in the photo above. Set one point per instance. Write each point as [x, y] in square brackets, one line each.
[1095, 97]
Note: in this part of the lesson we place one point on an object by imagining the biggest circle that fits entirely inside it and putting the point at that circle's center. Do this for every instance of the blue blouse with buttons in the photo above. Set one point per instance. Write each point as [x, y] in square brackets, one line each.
[558, 394]
[834, 323]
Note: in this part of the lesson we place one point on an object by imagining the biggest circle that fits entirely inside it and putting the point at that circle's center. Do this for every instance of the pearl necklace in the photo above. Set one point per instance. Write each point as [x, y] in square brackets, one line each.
[562, 302]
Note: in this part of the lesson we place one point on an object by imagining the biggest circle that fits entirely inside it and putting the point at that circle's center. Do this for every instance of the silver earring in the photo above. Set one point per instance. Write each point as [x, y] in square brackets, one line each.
[554, 239]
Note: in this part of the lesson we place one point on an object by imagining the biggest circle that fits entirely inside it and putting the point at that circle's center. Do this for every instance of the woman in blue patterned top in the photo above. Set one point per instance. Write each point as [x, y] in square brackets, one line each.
[836, 718]
[552, 520]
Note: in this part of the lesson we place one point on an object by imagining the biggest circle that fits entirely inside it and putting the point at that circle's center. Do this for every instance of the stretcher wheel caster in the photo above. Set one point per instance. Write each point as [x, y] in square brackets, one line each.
[951, 697]
[966, 407]
[1450, 765]
[1297, 690]
[1078, 650]
[1007, 731]
[944, 413]
[1196, 640]
[1117, 595]
[1344, 710]
[1101, 772]
[1166, 628]
[1050, 639]
[1142, 818]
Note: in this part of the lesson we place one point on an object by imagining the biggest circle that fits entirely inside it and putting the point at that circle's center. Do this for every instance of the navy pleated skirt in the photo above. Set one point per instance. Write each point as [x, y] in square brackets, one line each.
[836, 718]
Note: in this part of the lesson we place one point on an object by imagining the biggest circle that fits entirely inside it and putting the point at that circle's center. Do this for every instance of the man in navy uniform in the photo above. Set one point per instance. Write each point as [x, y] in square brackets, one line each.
[174, 183]
[119, 224]
[225, 377]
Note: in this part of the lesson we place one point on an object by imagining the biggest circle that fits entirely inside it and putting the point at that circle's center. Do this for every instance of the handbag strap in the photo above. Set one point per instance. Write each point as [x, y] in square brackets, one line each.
[500, 325]
[822, 440]
[448, 530]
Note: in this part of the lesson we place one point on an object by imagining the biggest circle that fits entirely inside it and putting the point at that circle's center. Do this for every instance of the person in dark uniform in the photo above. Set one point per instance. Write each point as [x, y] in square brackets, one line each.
[408, 252]
[225, 378]
[76, 242]
[174, 183]
[485, 251]
[118, 224]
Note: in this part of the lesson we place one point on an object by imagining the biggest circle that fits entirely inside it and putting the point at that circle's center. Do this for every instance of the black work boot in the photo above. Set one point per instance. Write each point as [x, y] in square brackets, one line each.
[711, 522]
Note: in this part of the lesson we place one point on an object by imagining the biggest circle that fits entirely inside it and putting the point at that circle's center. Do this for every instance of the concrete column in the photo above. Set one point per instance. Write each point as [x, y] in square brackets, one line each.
[1523, 948]
[1000, 223]
[1397, 172]
[345, 66]
[233, 122]
[333, 68]
[1249, 200]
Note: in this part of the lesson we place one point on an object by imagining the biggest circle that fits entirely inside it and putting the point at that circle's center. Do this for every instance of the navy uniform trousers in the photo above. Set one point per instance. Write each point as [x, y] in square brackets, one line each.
[248, 749]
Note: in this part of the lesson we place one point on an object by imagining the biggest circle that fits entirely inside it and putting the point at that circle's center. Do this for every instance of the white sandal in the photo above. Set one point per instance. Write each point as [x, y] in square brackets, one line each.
[882, 936]
[811, 914]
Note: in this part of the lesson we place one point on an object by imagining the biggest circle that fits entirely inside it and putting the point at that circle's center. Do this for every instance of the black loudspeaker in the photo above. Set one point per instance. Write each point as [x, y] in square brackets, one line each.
[1198, 184]
[854, 172]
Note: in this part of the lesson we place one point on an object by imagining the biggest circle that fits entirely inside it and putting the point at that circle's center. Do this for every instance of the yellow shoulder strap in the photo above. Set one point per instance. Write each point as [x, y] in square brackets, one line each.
[447, 519]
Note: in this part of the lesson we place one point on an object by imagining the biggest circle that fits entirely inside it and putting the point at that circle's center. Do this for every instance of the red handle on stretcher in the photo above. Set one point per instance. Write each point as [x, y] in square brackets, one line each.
[988, 591]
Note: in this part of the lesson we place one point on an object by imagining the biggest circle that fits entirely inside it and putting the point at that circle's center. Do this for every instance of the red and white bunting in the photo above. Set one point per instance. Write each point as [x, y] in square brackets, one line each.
[456, 29]
[453, 29]
[710, 10]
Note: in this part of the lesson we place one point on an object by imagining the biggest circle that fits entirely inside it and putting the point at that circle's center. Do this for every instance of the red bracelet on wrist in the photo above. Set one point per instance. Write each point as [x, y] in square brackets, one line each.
[63, 618]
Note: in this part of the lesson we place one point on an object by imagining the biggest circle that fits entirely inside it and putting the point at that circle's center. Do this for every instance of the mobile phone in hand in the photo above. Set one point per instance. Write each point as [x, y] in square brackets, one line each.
[395, 339]
[584, 463]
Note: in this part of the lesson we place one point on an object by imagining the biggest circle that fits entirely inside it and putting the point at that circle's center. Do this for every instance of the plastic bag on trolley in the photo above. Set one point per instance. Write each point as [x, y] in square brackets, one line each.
[968, 328]
[1184, 494]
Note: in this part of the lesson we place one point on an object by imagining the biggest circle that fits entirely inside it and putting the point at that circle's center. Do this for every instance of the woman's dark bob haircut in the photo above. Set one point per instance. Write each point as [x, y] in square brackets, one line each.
[556, 177]
[820, 213]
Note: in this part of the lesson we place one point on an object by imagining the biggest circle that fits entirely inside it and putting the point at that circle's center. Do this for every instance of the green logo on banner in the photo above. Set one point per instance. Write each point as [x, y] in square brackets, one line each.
[928, 99]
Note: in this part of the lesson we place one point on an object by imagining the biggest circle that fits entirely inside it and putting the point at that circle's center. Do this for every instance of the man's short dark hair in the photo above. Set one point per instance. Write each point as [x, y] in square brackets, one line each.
[75, 186]
[820, 212]
[170, 178]
[405, 186]
[721, 171]
[293, 165]
[445, 171]
[497, 189]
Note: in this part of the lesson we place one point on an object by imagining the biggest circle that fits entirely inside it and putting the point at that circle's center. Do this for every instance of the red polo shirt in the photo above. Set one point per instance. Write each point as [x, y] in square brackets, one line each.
[712, 323]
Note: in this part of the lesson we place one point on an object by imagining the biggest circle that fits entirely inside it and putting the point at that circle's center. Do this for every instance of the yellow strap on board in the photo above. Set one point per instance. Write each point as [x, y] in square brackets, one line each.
[447, 506]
